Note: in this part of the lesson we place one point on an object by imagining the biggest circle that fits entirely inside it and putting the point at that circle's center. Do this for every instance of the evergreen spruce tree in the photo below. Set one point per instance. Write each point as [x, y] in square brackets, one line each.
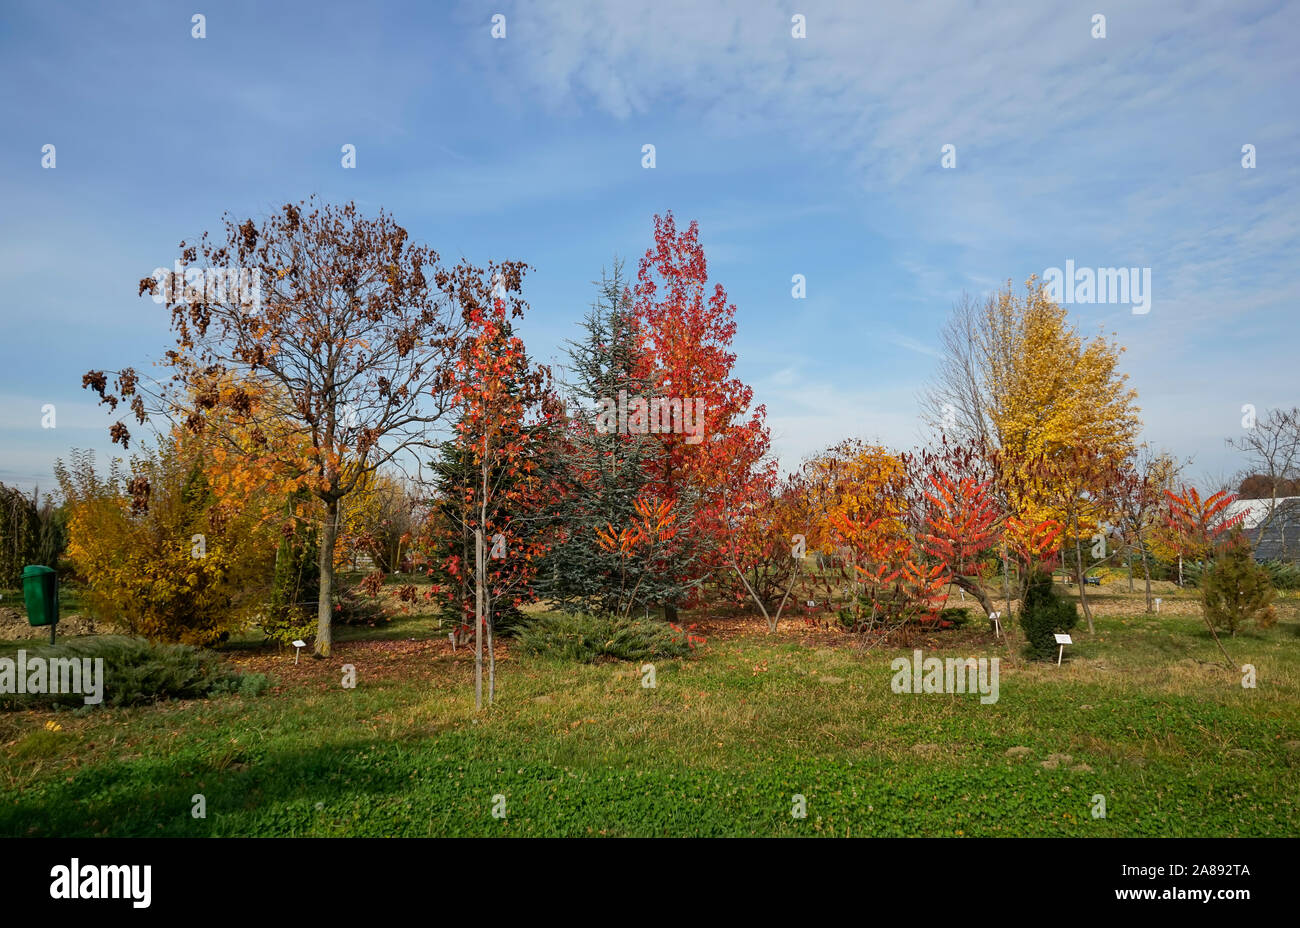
[601, 474]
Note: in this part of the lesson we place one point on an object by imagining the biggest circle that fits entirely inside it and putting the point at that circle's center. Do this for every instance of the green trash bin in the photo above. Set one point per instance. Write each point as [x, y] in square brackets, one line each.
[41, 596]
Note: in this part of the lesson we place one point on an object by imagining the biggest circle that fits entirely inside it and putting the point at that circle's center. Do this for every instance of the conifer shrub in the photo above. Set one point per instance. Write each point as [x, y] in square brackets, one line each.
[1043, 615]
[586, 638]
[1236, 591]
[137, 672]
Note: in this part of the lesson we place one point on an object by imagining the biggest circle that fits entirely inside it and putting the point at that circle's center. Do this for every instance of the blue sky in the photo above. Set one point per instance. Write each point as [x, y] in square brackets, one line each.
[817, 156]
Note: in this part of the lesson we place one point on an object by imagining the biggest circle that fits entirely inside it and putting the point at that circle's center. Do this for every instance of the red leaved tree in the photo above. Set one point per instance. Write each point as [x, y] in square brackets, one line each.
[647, 540]
[507, 412]
[1036, 545]
[1194, 527]
[687, 331]
[1198, 529]
[766, 545]
[1135, 489]
[962, 523]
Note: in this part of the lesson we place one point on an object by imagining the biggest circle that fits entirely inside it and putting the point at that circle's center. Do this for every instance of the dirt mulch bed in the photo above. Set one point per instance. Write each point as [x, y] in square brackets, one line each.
[820, 629]
[14, 627]
[408, 660]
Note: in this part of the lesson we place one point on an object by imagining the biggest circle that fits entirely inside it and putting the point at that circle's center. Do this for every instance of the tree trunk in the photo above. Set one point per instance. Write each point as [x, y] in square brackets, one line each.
[325, 602]
[478, 618]
[492, 664]
[1210, 625]
[1146, 572]
[1078, 576]
[480, 575]
[771, 626]
[974, 589]
[1006, 583]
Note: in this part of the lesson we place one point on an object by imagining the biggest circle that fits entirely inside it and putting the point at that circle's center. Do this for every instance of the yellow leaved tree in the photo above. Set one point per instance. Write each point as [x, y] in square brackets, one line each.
[1052, 407]
[181, 543]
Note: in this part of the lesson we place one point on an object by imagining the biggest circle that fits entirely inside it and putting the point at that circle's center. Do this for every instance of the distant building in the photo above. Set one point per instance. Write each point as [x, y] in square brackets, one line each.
[1275, 538]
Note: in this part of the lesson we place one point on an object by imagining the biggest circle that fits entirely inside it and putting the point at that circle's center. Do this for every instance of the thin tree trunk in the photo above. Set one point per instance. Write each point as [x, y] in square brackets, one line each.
[478, 618]
[1078, 575]
[1146, 572]
[492, 663]
[325, 602]
[793, 580]
[1006, 582]
[1210, 625]
[771, 626]
[480, 576]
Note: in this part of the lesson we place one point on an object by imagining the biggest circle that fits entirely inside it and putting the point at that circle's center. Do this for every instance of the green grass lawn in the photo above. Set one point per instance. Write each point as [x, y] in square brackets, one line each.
[1140, 713]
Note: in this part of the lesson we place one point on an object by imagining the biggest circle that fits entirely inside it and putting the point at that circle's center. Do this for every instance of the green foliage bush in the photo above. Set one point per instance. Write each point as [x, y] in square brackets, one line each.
[1283, 575]
[295, 587]
[1193, 571]
[137, 672]
[30, 533]
[954, 614]
[1235, 590]
[1044, 615]
[586, 638]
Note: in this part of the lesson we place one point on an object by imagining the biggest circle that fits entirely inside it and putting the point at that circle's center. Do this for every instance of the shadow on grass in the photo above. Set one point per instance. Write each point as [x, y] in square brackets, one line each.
[272, 794]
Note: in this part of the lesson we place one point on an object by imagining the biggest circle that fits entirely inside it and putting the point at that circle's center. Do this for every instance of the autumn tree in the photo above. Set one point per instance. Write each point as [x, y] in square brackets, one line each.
[1071, 483]
[1136, 487]
[1260, 486]
[856, 517]
[1017, 377]
[19, 535]
[766, 545]
[953, 510]
[855, 507]
[1199, 528]
[190, 567]
[1036, 546]
[506, 413]
[1013, 373]
[378, 522]
[961, 523]
[643, 549]
[687, 329]
[349, 326]
[1194, 527]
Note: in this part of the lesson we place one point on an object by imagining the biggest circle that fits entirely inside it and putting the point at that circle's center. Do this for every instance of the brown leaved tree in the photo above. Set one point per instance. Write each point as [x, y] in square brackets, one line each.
[346, 330]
